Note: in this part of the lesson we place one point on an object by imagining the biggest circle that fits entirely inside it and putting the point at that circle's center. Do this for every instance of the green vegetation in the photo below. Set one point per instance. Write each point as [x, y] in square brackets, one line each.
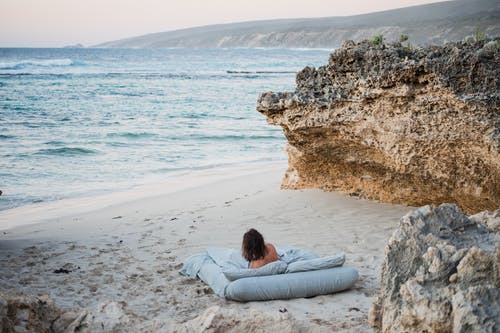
[479, 35]
[377, 39]
[404, 38]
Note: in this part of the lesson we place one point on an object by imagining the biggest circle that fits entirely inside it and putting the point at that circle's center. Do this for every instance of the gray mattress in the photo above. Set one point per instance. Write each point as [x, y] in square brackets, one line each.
[209, 267]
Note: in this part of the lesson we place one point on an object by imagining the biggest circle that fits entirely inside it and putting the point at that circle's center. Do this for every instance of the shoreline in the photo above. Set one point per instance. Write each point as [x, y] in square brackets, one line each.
[130, 251]
[161, 185]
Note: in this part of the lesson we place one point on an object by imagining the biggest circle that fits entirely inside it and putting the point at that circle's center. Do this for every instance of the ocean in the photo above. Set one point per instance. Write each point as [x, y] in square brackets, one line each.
[80, 122]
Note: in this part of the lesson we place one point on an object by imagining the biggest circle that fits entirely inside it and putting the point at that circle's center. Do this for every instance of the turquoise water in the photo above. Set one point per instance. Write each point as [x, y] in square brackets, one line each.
[76, 122]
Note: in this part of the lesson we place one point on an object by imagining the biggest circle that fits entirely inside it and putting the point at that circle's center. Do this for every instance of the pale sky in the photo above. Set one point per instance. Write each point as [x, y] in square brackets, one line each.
[54, 23]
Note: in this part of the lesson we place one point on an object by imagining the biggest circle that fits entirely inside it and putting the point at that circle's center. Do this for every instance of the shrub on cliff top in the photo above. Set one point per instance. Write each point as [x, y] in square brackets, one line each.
[377, 39]
[479, 35]
[404, 38]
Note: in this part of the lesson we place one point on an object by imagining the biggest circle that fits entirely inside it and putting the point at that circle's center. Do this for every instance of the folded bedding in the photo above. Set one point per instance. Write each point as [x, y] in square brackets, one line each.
[273, 268]
[298, 273]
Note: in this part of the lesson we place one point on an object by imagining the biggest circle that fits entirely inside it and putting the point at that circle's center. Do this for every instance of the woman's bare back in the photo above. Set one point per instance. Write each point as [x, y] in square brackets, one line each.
[271, 255]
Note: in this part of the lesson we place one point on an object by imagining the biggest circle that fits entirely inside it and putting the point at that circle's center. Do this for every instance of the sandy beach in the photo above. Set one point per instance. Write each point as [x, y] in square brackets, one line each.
[128, 247]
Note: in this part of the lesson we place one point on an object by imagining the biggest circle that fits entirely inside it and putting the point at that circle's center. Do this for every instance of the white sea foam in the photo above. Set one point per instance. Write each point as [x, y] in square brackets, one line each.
[37, 63]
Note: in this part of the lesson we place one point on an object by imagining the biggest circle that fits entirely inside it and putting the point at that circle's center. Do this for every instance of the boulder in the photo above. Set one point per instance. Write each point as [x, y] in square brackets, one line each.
[216, 319]
[441, 273]
[37, 314]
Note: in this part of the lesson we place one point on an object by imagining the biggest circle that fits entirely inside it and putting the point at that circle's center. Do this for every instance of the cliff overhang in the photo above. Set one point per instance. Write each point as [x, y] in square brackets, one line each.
[408, 126]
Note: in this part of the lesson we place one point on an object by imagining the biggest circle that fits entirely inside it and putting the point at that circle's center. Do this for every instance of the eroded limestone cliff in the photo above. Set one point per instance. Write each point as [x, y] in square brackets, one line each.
[397, 125]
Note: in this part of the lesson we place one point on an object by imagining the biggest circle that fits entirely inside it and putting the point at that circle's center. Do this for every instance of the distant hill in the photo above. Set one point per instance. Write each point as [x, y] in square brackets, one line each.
[425, 24]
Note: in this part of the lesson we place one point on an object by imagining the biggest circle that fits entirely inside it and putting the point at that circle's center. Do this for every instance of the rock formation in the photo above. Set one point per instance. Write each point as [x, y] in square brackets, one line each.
[399, 125]
[216, 319]
[37, 314]
[441, 273]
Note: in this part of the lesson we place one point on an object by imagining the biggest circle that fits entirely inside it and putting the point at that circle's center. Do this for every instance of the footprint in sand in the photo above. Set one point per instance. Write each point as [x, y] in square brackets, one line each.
[205, 208]
[181, 241]
[199, 219]
[146, 234]
[160, 241]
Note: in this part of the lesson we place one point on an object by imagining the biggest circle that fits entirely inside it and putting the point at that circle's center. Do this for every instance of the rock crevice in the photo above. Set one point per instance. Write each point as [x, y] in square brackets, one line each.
[398, 125]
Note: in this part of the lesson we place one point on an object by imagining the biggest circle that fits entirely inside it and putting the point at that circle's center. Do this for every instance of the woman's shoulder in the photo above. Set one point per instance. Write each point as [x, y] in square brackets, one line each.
[271, 249]
[270, 246]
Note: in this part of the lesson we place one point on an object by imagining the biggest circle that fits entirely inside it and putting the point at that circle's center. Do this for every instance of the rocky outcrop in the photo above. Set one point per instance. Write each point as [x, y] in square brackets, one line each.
[441, 273]
[216, 319]
[37, 314]
[385, 122]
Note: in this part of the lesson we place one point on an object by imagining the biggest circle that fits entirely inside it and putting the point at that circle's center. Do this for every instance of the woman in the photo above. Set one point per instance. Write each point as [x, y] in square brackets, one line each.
[256, 251]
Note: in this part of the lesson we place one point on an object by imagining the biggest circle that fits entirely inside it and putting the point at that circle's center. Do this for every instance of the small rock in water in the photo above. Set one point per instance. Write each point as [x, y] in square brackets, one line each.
[66, 269]
[1, 192]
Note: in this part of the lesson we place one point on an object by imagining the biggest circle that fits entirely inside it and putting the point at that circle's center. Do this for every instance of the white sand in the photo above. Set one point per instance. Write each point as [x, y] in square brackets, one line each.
[129, 246]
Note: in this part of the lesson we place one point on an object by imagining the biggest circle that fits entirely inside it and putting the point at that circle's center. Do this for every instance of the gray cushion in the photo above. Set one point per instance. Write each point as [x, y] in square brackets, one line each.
[275, 267]
[285, 286]
[315, 264]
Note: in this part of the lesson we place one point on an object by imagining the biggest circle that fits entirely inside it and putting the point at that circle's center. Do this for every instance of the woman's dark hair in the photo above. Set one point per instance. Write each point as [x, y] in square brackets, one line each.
[253, 247]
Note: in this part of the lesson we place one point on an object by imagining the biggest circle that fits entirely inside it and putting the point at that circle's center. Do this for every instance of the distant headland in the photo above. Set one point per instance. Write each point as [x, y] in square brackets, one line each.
[425, 24]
